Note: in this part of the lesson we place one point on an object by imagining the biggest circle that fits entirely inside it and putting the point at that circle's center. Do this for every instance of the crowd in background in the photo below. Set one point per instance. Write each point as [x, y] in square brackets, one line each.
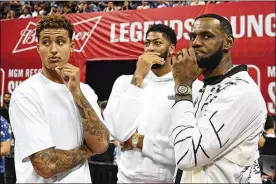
[27, 9]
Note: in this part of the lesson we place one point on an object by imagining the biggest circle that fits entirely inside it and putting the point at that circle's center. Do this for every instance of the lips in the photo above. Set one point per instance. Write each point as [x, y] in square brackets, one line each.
[54, 59]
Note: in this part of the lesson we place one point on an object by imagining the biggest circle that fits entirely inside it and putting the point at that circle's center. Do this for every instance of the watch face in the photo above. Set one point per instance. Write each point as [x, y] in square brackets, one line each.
[182, 89]
[134, 141]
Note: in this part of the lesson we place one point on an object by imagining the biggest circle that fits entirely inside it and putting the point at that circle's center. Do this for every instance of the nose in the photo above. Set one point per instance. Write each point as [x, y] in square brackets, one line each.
[53, 48]
[196, 42]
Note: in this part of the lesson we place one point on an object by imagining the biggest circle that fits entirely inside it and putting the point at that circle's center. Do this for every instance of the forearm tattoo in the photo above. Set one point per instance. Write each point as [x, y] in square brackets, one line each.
[56, 161]
[90, 120]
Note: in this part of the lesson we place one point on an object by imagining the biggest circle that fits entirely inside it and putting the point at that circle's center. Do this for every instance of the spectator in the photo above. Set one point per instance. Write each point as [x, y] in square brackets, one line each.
[110, 7]
[197, 2]
[11, 15]
[66, 9]
[144, 5]
[5, 145]
[179, 3]
[26, 13]
[126, 6]
[54, 10]
[90, 7]
[35, 11]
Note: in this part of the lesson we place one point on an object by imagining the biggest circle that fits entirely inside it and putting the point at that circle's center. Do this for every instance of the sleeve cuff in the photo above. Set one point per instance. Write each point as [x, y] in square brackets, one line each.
[184, 105]
[147, 149]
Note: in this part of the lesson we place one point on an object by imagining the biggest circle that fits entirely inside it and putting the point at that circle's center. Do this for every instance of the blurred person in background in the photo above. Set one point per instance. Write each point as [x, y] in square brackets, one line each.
[26, 13]
[110, 7]
[5, 145]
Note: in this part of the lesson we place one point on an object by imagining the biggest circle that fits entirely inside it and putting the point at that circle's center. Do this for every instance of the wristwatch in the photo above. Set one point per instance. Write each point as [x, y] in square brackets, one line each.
[183, 90]
[135, 140]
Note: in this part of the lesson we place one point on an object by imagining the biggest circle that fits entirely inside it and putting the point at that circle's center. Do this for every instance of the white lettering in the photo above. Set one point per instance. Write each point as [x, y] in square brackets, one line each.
[147, 24]
[113, 34]
[272, 96]
[139, 35]
[32, 71]
[188, 26]
[13, 84]
[271, 71]
[270, 25]
[15, 73]
[29, 36]
[233, 22]
[123, 32]
[177, 26]
[256, 25]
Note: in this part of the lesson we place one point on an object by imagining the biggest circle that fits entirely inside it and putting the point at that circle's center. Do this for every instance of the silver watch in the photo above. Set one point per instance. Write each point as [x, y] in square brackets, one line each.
[183, 90]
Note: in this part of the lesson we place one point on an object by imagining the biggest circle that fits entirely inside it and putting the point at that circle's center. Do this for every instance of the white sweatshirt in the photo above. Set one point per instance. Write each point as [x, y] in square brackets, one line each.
[146, 110]
[216, 141]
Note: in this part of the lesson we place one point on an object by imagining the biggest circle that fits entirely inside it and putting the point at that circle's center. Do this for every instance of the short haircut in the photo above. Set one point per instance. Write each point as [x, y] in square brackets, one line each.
[55, 22]
[166, 31]
[7, 93]
[224, 23]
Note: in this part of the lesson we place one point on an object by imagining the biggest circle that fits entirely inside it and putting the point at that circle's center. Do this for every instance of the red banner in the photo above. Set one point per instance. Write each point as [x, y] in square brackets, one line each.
[120, 36]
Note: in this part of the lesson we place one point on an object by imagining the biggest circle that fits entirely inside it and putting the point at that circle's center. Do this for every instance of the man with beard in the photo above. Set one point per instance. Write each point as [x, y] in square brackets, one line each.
[215, 140]
[4, 110]
[138, 112]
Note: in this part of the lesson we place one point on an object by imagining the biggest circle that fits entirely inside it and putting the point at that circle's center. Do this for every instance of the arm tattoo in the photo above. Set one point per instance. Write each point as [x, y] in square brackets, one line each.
[133, 81]
[90, 120]
[136, 81]
[55, 161]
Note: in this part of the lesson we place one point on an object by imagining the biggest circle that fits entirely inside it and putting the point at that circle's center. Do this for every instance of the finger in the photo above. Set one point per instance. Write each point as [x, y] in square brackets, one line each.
[191, 53]
[58, 70]
[160, 61]
[174, 60]
[153, 53]
[68, 66]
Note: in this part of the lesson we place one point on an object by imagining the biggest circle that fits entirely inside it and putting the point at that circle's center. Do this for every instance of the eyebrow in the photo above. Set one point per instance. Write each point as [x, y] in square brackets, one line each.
[154, 39]
[201, 33]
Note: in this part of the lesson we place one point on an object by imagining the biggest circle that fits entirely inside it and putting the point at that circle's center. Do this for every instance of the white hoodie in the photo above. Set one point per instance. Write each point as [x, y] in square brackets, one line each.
[146, 110]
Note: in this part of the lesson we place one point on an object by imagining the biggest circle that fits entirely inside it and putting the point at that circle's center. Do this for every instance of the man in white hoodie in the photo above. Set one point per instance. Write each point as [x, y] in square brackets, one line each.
[138, 112]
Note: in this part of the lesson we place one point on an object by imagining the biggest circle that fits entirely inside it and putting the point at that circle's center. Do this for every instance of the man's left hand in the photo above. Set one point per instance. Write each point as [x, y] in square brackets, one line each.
[184, 68]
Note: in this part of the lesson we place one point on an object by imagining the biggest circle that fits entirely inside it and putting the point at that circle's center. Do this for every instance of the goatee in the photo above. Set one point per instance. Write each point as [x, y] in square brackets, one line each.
[211, 62]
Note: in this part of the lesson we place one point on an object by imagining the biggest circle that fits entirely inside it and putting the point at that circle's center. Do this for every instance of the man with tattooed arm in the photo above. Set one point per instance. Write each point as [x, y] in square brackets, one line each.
[55, 118]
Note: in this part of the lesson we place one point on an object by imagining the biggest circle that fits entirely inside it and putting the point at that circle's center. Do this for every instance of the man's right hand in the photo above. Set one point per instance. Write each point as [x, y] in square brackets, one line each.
[143, 66]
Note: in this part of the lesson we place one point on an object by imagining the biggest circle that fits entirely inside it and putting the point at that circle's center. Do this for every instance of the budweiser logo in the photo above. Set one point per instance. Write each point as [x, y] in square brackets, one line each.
[83, 31]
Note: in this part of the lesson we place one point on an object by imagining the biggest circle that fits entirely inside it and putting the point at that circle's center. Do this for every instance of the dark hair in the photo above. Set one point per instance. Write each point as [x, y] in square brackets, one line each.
[7, 93]
[166, 31]
[270, 123]
[55, 22]
[224, 23]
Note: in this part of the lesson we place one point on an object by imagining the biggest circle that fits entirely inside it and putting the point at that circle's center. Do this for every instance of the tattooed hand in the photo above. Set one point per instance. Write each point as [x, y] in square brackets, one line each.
[70, 76]
[184, 68]
[143, 66]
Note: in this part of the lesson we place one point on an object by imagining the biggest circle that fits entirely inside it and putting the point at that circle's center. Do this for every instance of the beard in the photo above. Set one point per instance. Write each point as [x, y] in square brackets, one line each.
[164, 56]
[211, 62]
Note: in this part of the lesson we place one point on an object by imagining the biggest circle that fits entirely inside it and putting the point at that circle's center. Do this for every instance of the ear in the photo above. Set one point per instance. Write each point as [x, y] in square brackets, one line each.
[171, 49]
[37, 48]
[229, 42]
[72, 45]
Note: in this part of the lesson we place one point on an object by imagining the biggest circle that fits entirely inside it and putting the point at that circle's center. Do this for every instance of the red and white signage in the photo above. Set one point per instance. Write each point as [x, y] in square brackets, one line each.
[120, 35]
